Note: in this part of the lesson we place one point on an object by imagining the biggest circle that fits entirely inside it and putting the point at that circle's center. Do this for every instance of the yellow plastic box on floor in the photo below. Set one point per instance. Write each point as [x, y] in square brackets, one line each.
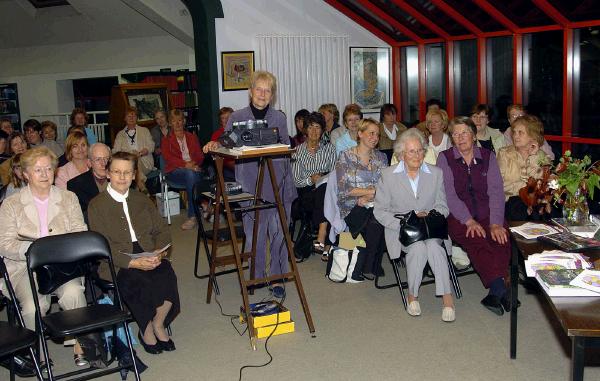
[287, 327]
[267, 320]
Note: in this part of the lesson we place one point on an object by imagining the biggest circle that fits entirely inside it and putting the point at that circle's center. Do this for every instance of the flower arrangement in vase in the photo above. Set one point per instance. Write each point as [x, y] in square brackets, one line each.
[573, 181]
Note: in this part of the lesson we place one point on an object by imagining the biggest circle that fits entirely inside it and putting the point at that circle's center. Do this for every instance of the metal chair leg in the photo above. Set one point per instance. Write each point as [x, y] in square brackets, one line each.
[452, 271]
[396, 270]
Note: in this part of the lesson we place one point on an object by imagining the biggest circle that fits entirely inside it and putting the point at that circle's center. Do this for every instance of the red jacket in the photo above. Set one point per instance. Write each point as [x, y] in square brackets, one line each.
[172, 153]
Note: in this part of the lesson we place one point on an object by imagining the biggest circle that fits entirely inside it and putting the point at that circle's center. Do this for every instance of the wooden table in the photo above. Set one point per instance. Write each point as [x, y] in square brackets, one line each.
[578, 316]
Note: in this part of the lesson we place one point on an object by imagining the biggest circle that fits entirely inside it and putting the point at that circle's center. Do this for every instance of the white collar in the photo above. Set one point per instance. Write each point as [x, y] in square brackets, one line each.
[400, 168]
[118, 197]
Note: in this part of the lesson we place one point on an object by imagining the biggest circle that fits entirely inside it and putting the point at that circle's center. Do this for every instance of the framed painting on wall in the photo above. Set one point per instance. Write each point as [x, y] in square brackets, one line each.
[370, 77]
[147, 102]
[236, 69]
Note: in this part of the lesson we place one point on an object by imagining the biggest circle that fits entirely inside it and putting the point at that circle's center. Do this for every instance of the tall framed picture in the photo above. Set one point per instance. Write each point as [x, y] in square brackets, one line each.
[370, 77]
[236, 69]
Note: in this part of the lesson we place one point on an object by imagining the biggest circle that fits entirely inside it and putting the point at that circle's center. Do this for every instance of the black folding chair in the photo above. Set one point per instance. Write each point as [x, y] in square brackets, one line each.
[15, 337]
[80, 249]
[399, 262]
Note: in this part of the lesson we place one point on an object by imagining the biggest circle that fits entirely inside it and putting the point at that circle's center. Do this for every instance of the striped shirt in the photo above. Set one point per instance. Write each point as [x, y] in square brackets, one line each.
[306, 164]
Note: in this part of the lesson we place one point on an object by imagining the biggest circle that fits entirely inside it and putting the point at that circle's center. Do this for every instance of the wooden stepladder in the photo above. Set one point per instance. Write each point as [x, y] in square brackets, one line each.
[265, 161]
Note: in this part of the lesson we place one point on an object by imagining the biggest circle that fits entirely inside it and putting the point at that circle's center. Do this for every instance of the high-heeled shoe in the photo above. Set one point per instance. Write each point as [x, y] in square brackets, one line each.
[152, 349]
[166, 345]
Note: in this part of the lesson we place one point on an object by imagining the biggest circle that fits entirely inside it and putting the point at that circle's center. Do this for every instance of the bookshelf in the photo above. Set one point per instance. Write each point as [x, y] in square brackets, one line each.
[9, 104]
[183, 88]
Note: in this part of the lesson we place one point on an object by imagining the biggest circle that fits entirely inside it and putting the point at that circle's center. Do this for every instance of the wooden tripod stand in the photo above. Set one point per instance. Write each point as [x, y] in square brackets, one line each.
[265, 160]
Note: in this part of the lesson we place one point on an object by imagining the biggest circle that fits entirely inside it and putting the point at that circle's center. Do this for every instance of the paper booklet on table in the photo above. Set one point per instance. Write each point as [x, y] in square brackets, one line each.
[557, 283]
[146, 253]
[530, 230]
[570, 242]
[555, 260]
[588, 279]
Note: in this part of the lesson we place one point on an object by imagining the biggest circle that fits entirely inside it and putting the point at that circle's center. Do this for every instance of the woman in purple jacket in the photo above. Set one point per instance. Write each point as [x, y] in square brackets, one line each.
[475, 197]
[263, 86]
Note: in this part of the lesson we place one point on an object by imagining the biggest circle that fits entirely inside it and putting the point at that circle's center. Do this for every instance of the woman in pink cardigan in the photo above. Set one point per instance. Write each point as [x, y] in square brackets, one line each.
[76, 151]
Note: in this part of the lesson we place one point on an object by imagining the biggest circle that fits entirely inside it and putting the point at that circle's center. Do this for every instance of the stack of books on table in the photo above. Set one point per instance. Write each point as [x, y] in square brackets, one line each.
[555, 260]
[269, 317]
[555, 270]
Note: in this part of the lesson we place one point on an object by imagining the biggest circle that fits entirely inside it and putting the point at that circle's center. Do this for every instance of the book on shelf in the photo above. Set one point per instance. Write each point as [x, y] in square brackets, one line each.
[588, 279]
[568, 241]
[586, 230]
[558, 283]
[555, 260]
[530, 230]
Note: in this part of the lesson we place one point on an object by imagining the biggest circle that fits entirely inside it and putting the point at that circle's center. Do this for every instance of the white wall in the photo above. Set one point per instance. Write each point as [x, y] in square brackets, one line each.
[244, 20]
[38, 70]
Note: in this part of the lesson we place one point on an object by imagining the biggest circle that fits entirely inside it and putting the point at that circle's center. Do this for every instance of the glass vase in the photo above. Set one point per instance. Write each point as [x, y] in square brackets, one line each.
[575, 209]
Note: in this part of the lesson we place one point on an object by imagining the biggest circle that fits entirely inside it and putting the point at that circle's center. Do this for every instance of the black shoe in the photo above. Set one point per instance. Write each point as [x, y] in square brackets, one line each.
[368, 276]
[492, 303]
[152, 349]
[167, 345]
[506, 301]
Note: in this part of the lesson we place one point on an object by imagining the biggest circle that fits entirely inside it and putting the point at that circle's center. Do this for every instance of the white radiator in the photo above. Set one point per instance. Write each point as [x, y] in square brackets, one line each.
[310, 71]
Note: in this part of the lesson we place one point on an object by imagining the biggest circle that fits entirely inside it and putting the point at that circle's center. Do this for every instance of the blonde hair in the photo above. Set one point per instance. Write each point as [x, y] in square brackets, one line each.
[267, 77]
[363, 124]
[441, 113]
[73, 138]
[533, 125]
[176, 113]
[29, 157]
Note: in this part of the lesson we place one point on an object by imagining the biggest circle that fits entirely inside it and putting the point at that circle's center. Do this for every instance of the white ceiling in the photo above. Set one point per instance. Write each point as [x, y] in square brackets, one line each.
[21, 25]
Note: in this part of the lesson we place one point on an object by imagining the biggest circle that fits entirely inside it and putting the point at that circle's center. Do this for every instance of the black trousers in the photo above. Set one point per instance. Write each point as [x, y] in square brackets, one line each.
[369, 259]
[312, 202]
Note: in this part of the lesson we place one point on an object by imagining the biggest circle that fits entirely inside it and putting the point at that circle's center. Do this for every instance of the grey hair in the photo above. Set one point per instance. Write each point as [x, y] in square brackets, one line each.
[410, 134]
[99, 144]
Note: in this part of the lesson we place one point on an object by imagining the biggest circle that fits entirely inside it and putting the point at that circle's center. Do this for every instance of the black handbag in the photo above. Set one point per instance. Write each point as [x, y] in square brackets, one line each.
[414, 228]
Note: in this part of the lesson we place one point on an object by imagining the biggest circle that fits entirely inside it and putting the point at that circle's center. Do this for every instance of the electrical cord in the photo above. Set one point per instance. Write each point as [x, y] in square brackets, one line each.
[282, 301]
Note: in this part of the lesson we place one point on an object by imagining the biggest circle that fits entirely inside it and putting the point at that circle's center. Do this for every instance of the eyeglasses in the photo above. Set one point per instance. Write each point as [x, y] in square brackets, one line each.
[464, 134]
[121, 173]
[415, 152]
[38, 171]
[101, 160]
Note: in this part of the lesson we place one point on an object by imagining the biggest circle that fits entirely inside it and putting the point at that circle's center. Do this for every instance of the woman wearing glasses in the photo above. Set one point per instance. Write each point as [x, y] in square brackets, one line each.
[487, 137]
[475, 197]
[38, 210]
[131, 224]
[414, 185]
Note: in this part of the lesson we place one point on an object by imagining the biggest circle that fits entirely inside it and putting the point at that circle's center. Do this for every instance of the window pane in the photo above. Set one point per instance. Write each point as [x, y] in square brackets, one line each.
[586, 101]
[436, 79]
[499, 79]
[580, 150]
[465, 76]
[410, 84]
[543, 78]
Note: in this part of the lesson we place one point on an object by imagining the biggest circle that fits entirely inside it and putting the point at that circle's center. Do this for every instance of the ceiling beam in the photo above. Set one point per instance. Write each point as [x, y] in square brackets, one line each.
[390, 20]
[442, 6]
[552, 12]
[160, 21]
[362, 22]
[497, 15]
[422, 19]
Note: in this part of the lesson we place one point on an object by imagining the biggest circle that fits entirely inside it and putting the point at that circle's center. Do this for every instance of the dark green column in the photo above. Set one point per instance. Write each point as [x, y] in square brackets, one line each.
[203, 14]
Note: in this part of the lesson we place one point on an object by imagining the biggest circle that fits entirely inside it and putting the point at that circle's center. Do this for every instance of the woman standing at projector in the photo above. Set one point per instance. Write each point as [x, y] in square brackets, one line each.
[263, 87]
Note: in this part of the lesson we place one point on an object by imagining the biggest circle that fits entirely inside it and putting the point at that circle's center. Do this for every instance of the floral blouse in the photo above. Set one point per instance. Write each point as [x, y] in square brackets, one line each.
[351, 173]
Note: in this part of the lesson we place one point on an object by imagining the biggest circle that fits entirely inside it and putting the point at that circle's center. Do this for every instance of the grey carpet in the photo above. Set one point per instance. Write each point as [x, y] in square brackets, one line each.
[361, 333]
